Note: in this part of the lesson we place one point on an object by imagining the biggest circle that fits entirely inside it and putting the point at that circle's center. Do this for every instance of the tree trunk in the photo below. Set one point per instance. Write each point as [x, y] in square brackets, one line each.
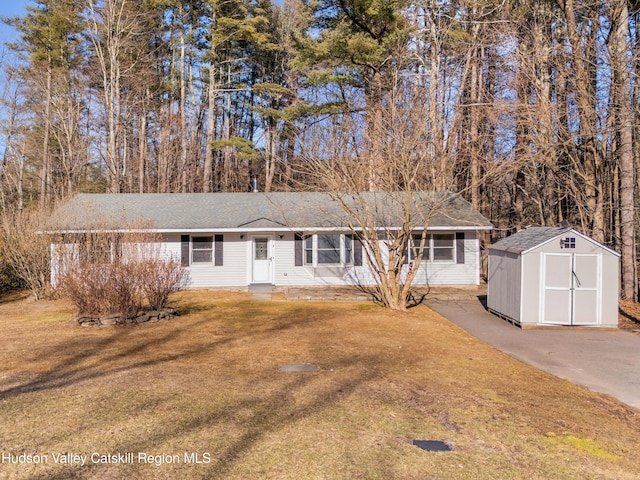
[45, 171]
[618, 47]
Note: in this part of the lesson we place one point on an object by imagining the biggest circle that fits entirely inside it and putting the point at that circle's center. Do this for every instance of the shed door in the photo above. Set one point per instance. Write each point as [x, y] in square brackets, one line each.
[571, 289]
[557, 297]
[586, 272]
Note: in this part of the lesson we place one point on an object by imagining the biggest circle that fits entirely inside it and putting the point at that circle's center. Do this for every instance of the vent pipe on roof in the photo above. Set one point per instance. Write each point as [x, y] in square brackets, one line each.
[253, 186]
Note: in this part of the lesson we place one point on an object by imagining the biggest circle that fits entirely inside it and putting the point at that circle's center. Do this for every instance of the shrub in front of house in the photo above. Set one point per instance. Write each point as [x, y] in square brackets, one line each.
[24, 254]
[111, 274]
[104, 288]
[161, 277]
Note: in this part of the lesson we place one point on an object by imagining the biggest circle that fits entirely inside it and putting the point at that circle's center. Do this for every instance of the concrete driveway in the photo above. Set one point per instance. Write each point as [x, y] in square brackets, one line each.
[603, 361]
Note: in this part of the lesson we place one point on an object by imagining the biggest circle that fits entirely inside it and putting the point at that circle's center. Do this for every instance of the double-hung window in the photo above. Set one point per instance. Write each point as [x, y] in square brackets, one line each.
[438, 247]
[100, 248]
[442, 246]
[328, 249]
[202, 249]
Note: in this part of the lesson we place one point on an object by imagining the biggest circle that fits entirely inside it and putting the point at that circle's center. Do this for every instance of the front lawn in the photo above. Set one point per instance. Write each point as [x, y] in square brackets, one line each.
[203, 397]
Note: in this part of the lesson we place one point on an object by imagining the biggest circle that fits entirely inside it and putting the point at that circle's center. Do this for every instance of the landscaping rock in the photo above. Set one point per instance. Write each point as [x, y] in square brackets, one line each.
[152, 316]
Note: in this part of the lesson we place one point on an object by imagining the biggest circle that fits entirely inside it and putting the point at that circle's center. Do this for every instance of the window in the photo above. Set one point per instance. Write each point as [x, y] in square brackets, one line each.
[261, 248]
[413, 251]
[328, 249]
[438, 247]
[442, 247]
[308, 250]
[202, 249]
[569, 242]
[100, 248]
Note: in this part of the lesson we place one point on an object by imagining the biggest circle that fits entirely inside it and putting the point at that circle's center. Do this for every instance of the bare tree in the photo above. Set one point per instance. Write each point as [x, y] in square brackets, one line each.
[114, 29]
[624, 125]
[391, 223]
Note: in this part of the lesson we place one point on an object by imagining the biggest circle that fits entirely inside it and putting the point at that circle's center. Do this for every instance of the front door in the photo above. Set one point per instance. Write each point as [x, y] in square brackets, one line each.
[262, 261]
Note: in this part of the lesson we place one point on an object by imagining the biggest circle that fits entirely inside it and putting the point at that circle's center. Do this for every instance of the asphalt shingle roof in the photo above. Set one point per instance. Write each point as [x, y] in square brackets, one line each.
[529, 238]
[252, 211]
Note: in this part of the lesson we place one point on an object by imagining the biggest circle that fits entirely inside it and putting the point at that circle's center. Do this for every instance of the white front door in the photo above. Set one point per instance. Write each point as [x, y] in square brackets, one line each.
[262, 259]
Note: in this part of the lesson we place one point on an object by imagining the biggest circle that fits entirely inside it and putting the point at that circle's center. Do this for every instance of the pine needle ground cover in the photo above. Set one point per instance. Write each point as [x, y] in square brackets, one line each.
[203, 396]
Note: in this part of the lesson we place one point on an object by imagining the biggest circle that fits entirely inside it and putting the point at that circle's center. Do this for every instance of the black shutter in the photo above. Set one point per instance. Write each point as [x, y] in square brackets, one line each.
[218, 251]
[357, 251]
[459, 247]
[297, 249]
[184, 250]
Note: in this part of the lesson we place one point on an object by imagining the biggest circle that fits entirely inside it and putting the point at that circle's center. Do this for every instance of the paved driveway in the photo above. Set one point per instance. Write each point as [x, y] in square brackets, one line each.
[604, 361]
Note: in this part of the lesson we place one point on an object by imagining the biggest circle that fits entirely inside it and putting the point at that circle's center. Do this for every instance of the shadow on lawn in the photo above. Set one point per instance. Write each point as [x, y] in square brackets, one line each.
[82, 358]
[284, 403]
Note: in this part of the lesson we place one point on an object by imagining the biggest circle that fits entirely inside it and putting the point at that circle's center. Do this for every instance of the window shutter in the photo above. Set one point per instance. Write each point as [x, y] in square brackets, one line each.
[459, 247]
[297, 249]
[218, 251]
[357, 251]
[184, 250]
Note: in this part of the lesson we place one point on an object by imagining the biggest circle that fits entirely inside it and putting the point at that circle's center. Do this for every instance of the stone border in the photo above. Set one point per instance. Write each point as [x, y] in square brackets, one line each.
[151, 316]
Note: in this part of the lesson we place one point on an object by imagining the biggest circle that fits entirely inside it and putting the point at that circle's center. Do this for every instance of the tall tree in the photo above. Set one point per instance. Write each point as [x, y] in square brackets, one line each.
[622, 88]
[361, 43]
[50, 45]
[114, 32]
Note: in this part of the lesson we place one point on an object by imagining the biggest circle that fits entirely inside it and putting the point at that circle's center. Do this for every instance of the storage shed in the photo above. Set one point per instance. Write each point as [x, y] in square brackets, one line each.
[553, 276]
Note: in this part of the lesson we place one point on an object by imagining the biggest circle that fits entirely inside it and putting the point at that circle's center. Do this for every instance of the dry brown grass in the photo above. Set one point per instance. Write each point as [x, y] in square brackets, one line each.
[209, 382]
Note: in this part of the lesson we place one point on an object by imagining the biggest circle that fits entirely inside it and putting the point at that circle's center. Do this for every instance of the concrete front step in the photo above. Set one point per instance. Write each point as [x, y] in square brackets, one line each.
[261, 288]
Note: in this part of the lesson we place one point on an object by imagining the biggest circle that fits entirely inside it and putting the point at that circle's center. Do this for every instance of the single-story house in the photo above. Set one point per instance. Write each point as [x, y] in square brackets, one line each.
[285, 238]
[553, 276]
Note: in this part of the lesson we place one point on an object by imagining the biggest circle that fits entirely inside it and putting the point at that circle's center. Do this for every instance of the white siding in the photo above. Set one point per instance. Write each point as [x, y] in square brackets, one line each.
[429, 273]
[452, 273]
[62, 254]
[233, 271]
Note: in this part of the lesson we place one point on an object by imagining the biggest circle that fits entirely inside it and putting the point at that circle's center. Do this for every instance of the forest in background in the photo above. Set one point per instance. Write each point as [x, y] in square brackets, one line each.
[528, 109]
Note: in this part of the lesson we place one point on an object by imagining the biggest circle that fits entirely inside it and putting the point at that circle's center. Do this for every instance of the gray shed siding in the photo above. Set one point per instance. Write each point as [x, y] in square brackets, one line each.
[610, 289]
[556, 285]
[503, 284]
[531, 286]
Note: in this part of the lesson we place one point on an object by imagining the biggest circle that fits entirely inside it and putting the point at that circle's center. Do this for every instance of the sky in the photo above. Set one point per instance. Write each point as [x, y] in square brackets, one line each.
[11, 8]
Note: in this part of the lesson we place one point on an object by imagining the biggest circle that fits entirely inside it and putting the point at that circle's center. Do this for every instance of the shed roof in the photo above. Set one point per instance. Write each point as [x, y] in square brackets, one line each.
[524, 240]
[253, 211]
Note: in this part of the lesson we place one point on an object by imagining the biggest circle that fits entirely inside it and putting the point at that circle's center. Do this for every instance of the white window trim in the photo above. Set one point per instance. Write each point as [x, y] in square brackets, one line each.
[428, 253]
[344, 262]
[213, 252]
[453, 248]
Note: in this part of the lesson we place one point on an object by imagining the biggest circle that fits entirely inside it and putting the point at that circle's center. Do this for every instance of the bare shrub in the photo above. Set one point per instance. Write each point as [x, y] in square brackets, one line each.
[161, 278]
[102, 288]
[107, 272]
[25, 251]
